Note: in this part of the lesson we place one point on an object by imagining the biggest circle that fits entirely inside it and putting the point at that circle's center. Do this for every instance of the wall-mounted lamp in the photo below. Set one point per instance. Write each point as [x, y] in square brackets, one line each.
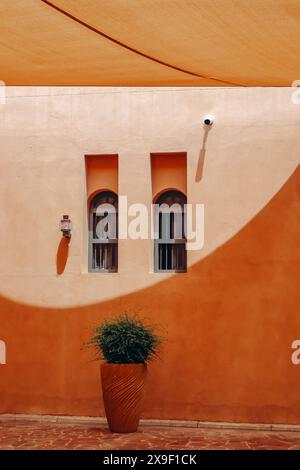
[208, 120]
[66, 226]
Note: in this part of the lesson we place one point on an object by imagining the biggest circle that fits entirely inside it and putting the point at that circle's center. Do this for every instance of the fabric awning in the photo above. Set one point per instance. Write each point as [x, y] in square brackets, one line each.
[150, 42]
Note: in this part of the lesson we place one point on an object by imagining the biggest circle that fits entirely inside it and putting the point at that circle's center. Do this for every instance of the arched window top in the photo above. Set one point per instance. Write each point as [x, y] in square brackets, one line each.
[104, 198]
[172, 197]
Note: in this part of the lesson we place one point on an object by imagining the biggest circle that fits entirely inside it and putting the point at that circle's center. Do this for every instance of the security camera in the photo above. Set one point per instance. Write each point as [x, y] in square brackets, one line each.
[208, 120]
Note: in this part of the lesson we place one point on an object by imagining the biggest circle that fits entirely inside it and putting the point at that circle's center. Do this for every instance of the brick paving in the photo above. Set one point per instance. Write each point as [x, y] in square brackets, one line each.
[48, 435]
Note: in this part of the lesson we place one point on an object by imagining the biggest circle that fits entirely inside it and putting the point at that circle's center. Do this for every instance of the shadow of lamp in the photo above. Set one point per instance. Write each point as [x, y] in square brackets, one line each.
[208, 121]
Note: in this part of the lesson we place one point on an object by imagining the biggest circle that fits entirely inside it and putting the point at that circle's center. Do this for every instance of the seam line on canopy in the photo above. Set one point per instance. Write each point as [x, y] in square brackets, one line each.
[136, 51]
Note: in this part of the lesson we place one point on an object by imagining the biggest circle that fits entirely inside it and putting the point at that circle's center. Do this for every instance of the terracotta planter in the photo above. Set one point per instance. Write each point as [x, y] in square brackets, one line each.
[123, 390]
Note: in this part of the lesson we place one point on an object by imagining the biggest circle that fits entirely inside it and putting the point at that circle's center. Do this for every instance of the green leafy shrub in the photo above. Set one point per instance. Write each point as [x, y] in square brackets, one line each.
[125, 340]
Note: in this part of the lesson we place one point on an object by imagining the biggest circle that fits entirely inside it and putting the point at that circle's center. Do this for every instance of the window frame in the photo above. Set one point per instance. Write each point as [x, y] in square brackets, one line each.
[170, 241]
[93, 206]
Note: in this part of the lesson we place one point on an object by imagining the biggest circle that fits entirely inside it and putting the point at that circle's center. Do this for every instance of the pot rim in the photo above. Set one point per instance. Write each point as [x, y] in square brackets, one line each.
[124, 363]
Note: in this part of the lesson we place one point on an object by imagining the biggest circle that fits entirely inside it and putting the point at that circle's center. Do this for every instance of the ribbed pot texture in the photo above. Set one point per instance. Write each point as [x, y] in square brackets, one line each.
[123, 391]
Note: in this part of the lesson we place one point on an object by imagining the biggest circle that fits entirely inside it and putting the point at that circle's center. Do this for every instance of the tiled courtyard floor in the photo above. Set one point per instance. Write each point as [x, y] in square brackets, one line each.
[48, 435]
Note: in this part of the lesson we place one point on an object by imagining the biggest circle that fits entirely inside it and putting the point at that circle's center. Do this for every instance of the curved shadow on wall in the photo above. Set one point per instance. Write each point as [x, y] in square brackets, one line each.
[230, 322]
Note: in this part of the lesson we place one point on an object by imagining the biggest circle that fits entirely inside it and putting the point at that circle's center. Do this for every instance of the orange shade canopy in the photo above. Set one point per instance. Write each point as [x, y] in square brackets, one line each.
[150, 42]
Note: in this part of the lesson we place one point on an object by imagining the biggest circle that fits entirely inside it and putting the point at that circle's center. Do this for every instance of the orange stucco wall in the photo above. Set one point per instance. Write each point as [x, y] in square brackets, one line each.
[101, 173]
[168, 171]
[229, 322]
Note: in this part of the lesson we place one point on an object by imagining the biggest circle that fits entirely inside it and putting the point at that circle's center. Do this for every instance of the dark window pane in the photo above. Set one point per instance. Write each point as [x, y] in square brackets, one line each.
[105, 256]
[160, 225]
[171, 257]
[178, 227]
[171, 230]
[166, 225]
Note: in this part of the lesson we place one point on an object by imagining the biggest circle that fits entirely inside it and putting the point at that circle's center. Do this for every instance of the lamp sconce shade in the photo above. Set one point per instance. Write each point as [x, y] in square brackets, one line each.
[66, 226]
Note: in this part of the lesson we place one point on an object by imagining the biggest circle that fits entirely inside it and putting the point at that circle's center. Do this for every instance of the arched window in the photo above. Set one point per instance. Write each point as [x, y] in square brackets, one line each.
[103, 233]
[170, 241]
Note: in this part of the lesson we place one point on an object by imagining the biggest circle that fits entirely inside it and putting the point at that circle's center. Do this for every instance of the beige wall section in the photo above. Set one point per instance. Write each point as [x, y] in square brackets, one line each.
[168, 171]
[234, 170]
